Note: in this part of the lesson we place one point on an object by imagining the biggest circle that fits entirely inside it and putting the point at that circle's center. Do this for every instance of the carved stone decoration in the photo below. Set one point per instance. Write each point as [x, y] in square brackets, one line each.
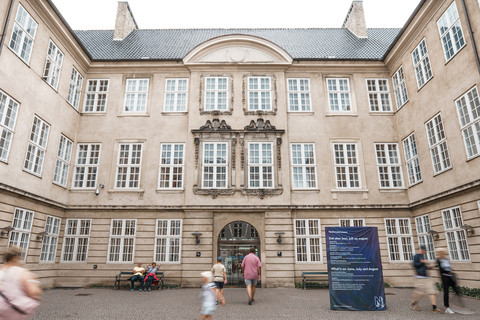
[215, 125]
[234, 142]
[273, 91]
[214, 193]
[260, 125]
[242, 153]
[261, 193]
[201, 96]
[279, 154]
[197, 145]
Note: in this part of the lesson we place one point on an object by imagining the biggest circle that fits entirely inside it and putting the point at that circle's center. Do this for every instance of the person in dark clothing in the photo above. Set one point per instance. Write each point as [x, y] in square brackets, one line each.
[448, 277]
[423, 283]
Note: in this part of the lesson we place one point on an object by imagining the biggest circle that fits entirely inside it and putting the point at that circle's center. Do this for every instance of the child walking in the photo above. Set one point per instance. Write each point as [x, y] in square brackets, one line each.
[219, 278]
[208, 295]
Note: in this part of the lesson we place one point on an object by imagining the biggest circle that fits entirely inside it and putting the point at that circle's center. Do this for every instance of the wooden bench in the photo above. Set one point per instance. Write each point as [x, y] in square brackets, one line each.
[128, 274]
[313, 276]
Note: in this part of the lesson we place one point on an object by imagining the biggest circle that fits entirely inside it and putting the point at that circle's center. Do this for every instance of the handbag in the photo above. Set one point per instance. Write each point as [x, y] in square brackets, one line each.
[14, 304]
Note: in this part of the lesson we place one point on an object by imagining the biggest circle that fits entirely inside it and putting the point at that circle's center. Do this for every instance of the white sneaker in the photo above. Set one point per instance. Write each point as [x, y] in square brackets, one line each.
[449, 311]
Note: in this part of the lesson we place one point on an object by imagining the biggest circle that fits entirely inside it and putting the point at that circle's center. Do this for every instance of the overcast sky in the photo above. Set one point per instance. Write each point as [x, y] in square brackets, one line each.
[163, 14]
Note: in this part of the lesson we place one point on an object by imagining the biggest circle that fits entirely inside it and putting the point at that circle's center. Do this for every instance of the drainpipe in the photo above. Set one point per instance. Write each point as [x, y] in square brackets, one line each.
[475, 51]
[4, 33]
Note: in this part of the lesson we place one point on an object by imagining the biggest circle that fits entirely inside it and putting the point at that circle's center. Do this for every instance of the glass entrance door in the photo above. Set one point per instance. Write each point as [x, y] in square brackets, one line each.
[234, 243]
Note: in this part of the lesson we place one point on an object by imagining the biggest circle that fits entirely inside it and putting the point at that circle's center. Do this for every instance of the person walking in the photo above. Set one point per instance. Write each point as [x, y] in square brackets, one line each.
[423, 283]
[20, 290]
[138, 272]
[219, 278]
[448, 277]
[207, 295]
[251, 271]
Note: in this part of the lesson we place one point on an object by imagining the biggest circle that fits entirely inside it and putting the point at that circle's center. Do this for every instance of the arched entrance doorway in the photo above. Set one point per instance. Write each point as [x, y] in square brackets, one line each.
[234, 243]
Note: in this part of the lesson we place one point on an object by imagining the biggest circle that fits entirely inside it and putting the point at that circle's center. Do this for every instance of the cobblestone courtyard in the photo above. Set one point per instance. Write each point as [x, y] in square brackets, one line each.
[93, 303]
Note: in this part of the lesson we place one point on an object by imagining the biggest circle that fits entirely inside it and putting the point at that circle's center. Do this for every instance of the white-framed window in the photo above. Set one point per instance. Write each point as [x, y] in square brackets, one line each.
[168, 241]
[399, 239]
[425, 239]
[8, 118]
[129, 165]
[299, 99]
[76, 240]
[136, 93]
[451, 32]
[400, 87]
[421, 64]
[389, 166]
[304, 171]
[259, 93]
[62, 165]
[96, 95]
[75, 88]
[437, 142]
[176, 93]
[121, 246]
[215, 165]
[53, 65]
[86, 165]
[308, 240]
[216, 93]
[339, 94]
[172, 166]
[352, 222]
[347, 167]
[50, 240]
[412, 160]
[37, 146]
[455, 235]
[23, 35]
[20, 236]
[379, 95]
[260, 165]
[468, 108]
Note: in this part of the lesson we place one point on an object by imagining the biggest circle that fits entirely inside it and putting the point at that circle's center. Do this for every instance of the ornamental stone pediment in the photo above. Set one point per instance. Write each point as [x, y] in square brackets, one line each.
[237, 49]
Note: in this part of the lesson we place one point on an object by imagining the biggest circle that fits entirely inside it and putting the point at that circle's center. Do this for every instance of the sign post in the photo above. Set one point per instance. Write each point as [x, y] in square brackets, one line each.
[355, 276]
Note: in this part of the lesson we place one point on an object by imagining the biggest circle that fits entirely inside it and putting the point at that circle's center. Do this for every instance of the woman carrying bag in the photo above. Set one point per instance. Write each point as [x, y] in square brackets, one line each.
[20, 291]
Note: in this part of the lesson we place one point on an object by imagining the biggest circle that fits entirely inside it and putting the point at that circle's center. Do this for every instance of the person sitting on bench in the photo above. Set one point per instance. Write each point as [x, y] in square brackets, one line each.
[150, 276]
[137, 276]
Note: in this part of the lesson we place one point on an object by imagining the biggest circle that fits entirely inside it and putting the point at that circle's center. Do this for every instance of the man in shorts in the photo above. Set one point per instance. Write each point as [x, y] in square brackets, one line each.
[251, 272]
[219, 278]
[423, 283]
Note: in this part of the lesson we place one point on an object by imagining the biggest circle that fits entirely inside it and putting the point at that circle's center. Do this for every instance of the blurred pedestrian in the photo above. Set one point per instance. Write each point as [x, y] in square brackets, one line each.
[448, 277]
[20, 290]
[219, 278]
[251, 266]
[423, 283]
[207, 295]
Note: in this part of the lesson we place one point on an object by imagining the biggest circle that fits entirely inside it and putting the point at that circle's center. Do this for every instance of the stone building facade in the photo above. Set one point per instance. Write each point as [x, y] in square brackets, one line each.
[177, 146]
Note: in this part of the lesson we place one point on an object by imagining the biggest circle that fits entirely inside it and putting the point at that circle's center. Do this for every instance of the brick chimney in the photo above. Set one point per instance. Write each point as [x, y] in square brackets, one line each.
[355, 20]
[125, 22]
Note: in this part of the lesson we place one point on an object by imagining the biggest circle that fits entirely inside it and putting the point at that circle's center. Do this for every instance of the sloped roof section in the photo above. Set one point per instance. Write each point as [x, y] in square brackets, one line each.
[175, 44]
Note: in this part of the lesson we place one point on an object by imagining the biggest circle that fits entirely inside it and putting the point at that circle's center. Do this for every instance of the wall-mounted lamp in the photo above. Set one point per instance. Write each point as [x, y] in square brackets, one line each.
[6, 230]
[468, 229]
[97, 191]
[434, 234]
[41, 235]
[197, 235]
[279, 234]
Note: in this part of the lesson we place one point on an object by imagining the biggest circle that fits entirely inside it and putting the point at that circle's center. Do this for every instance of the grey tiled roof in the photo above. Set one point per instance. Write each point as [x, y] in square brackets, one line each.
[174, 44]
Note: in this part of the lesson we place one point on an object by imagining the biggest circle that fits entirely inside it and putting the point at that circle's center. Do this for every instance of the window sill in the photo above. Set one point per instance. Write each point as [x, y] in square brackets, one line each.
[172, 191]
[451, 58]
[392, 190]
[81, 190]
[423, 86]
[124, 114]
[414, 184]
[382, 113]
[4, 161]
[468, 159]
[213, 192]
[259, 112]
[301, 113]
[126, 190]
[261, 193]
[305, 190]
[445, 170]
[216, 112]
[174, 113]
[99, 113]
[341, 114]
[403, 105]
[33, 173]
[59, 185]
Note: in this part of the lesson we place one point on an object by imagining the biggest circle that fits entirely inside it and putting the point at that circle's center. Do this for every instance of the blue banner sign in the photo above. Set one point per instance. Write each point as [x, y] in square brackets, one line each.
[355, 276]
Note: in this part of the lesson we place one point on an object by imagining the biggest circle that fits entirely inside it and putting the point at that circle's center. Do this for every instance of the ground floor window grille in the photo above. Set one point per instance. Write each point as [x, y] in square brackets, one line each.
[168, 238]
[399, 239]
[50, 240]
[456, 236]
[122, 240]
[308, 244]
[75, 243]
